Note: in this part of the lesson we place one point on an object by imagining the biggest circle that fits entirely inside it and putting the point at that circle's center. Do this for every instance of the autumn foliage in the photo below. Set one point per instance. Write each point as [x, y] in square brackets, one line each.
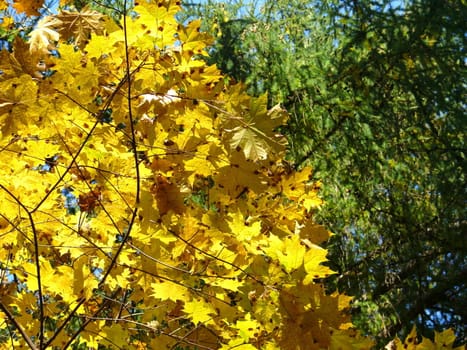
[145, 199]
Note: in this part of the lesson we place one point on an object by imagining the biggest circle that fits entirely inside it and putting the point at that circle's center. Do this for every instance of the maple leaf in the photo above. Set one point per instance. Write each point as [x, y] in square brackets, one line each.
[446, 339]
[21, 61]
[16, 98]
[210, 158]
[87, 202]
[294, 185]
[246, 139]
[292, 253]
[79, 25]
[313, 260]
[199, 311]
[248, 328]
[344, 340]
[153, 26]
[114, 335]
[244, 229]
[168, 195]
[311, 232]
[238, 344]
[192, 39]
[236, 177]
[44, 37]
[169, 291]
[252, 129]
[148, 100]
[77, 78]
[29, 7]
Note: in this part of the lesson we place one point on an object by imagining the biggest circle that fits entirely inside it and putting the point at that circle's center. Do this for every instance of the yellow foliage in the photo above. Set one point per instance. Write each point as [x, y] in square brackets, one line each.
[29, 7]
[443, 340]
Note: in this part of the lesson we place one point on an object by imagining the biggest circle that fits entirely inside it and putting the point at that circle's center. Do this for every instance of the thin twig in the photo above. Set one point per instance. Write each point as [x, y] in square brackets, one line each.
[13, 320]
[37, 263]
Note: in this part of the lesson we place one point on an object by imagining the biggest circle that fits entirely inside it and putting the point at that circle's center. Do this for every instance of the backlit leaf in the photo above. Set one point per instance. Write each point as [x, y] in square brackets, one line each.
[29, 7]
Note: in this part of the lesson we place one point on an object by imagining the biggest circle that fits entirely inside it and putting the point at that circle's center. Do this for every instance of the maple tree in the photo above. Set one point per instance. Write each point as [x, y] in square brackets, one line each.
[145, 199]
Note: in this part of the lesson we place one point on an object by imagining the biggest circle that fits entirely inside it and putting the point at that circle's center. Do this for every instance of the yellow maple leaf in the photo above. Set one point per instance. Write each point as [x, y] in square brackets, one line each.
[442, 340]
[290, 253]
[314, 233]
[243, 228]
[349, 340]
[63, 284]
[152, 26]
[253, 129]
[228, 283]
[17, 97]
[115, 335]
[20, 61]
[246, 138]
[29, 7]
[445, 340]
[204, 163]
[248, 328]
[238, 176]
[193, 39]
[310, 200]
[199, 311]
[410, 342]
[30, 274]
[165, 290]
[294, 185]
[92, 335]
[313, 260]
[84, 281]
[238, 344]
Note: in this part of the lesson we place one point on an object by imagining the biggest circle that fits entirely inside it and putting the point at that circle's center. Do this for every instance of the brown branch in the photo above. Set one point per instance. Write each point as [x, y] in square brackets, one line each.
[65, 322]
[12, 319]
[37, 263]
[127, 78]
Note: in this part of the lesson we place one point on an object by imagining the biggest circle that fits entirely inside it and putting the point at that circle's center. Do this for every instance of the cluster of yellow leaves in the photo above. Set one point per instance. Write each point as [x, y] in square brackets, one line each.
[442, 340]
[146, 202]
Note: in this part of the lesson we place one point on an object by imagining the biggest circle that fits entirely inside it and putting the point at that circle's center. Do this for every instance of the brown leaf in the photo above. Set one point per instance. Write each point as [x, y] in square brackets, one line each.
[79, 25]
[168, 195]
[20, 61]
[89, 201]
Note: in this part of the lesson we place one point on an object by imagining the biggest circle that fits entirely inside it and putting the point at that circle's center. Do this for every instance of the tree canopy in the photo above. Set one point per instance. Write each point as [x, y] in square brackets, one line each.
[146, 198]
